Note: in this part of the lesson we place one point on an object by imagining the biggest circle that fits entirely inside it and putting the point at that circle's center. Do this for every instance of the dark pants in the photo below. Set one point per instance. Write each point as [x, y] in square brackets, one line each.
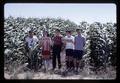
[69, 59]
[32, 60]
[56, 55]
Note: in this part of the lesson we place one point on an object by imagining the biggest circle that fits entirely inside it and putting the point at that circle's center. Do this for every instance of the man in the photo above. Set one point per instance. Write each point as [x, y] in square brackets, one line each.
[57, 44]
[69, 46]
[30, 41]
[79, 47]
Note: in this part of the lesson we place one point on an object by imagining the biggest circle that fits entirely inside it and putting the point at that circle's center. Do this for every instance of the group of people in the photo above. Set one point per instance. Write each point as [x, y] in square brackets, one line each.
[74, 48]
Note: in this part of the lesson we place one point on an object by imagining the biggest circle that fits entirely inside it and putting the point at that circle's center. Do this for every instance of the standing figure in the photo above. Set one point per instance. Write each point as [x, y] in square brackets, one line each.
[57, 44]
[30, 43]
[69, 47]
[79, 47]
[46, 43]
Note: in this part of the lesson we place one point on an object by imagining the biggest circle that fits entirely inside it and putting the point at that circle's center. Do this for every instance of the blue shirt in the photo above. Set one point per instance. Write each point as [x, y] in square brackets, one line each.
[79, 42]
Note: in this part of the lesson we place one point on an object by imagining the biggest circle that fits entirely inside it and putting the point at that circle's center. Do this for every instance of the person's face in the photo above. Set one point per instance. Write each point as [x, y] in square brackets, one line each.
[31, 34]
[45, 34]
[57, 32]
[68, 33]
[78, 32]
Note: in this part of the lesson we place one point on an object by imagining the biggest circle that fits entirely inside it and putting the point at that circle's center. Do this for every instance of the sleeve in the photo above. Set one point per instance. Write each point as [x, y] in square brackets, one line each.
[73, 39]
[26, 39]
[40, 41]
[36, 39]
[64, 40]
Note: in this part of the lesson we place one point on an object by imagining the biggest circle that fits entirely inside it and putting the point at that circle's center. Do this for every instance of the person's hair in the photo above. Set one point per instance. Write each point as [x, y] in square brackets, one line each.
[77, 29]
[68, 31]
[58, 30]
[34, 33]
[46, 33]
[30, 31]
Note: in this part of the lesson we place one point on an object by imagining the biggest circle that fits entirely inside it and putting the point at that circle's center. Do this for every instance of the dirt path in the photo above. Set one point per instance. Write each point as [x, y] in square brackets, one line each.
[40, 74]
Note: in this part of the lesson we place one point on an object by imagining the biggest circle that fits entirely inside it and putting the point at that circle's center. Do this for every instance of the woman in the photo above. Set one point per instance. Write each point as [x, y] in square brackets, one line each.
[46, 49]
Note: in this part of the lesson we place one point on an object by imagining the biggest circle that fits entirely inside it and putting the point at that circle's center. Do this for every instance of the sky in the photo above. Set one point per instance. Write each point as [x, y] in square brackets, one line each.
[73, 11]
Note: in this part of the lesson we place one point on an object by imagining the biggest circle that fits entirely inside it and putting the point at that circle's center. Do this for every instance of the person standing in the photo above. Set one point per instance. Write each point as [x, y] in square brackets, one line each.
[30, 42]
[79, 48]
[46, 43]
[69, 47]
[57, 44]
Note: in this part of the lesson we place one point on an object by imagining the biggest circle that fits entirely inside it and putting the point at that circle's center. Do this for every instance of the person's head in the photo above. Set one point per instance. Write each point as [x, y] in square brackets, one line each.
[57, 31]
[45, 34]
[68, 33]
[34, 33]
[31, 33]
[78, 31]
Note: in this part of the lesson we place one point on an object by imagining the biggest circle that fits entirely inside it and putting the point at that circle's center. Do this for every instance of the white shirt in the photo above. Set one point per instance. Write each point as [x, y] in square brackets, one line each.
[69, 45]
[31, 41]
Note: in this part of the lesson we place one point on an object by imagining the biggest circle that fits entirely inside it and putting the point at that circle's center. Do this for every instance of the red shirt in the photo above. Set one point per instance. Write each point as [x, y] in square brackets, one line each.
[46, 42]
[57, 40]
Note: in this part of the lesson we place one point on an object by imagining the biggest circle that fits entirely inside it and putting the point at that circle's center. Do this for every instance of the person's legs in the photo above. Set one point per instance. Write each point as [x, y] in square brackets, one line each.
[67, 62]
[74, 56]
[79, 57]
[71, 64]
[44, 64]
[77, 64]
[67, 59]
[59, 60]
[48, 63]
[59, 57]
[76, 61]
[46, 67]
[35, 62]
[30, 59]
[54, 58]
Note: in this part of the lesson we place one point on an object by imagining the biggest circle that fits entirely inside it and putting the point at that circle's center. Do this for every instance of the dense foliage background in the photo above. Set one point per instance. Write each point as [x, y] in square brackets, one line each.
[100, 48]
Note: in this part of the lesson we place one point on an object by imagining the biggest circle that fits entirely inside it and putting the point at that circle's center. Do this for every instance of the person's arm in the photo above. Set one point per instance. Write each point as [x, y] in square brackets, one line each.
[40, 42]
[25, 42]
[74, 40]
[51, 43]
[64, 40]
[37, 40]
[83, 42]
